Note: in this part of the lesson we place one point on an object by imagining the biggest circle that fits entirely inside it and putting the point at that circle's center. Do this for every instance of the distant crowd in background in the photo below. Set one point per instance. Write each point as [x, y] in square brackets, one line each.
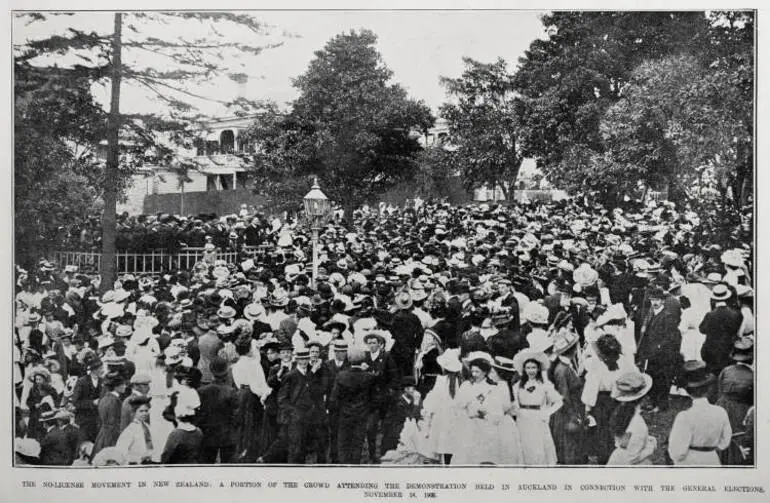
[523, 334]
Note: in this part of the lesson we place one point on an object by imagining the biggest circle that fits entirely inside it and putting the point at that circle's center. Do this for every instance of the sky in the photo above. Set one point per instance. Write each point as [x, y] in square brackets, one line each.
[418, 46]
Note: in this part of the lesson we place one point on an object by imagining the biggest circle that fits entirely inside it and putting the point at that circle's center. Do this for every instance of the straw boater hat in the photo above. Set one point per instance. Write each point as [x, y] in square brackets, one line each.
[253, 311]
[503, 363]
[631, 386]
[721, 292]
[521, 358]
[226, 312]
[123, 331]
[449, 360]
[340, 345]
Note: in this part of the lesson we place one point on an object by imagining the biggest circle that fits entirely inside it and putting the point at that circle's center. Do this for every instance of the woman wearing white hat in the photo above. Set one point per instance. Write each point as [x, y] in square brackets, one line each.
[633, 443]
[440, 408]
[535, 400]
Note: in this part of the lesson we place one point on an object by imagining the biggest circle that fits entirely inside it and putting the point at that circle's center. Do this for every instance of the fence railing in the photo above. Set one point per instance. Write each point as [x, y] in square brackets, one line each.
[150, 262]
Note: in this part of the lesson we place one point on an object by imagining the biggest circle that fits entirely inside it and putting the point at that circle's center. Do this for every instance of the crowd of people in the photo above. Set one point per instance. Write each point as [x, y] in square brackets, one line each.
[520, 334]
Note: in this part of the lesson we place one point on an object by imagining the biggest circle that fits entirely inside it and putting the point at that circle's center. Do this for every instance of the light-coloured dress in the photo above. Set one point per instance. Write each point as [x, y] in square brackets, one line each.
[533, 406]
[698, 433]
[160, 394]
[692, 338]
[638, 446]
[483, 435]
[444, 416]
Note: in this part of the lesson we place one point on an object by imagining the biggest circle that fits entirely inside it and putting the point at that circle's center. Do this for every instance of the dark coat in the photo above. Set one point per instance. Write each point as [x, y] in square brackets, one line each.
[331, 373]
[59, 446]
[86, 411]
[661, 340]
[216, 416]
[386, 378]
[352, 394]
[509, 302]
[399, 411]
[109, 417]
[274, 379]
[506, 343]
[295, 401]
[407, 335]
[720, 327]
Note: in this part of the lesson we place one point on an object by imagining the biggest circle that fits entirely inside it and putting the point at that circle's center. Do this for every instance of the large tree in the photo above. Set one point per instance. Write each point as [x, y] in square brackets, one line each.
[569, 80]
[56, 123]
[483, 116]
[350, 126]
[140, 50]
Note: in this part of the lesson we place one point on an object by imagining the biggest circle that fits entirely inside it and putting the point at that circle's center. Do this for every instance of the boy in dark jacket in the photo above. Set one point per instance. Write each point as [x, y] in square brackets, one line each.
[403, 406]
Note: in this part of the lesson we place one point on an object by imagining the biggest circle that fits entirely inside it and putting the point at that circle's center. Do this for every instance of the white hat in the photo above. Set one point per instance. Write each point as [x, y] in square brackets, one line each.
[613, 313]
[535, 312]
[530, 354]
[450, 360]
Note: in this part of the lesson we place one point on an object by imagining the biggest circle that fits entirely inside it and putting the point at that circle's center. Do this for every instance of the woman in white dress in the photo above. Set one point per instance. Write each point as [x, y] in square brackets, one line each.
[440, 409]
[136, 440]
[481, 411]
[692, 338]
[162, 386]
[535, 400]
[510, 440]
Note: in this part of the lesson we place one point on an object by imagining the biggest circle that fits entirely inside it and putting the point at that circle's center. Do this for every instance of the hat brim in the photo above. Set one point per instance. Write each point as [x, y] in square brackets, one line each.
[635, 396]
[706, 381]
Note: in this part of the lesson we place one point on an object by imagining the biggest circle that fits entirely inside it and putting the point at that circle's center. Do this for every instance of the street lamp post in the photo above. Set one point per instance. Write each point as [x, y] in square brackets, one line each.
[317, 207]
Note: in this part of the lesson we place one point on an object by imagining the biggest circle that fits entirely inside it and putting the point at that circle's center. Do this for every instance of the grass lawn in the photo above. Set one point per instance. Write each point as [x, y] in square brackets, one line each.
[660, 425]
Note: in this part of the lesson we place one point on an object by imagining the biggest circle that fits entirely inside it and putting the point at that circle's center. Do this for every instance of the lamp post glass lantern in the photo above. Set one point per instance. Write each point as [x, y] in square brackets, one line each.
[317, 207]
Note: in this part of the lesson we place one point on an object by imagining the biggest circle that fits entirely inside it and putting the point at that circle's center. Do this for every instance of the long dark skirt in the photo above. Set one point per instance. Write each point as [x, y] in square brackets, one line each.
[736, 412]
[569, 444]
[600, 438]
[248, 426]
[269, 432]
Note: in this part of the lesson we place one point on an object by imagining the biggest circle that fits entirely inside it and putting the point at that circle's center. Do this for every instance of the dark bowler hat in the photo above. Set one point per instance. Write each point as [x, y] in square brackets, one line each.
[696, 374]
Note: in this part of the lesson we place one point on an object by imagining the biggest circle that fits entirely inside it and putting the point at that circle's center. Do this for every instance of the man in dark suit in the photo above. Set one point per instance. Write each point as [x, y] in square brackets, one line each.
[658, 349]
[296, 407]
[507, 300]
[720, 326]
[85, 398]
[333, 368]
[59, 446]
[407, 331]
[386, 377]
[217, 415]
[351, 402]
[273, 450]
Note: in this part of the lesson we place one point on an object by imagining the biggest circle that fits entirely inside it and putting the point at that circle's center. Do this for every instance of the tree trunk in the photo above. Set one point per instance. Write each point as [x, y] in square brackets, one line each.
[111, 170]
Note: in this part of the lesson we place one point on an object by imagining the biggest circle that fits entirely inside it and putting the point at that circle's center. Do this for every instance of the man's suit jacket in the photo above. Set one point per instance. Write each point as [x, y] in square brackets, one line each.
[58, 446]
[216, 415]
[274, 380]
[332, 370]
[386, 374]
[661, 340]
[720, 327]
[83, 396]
[295, 400]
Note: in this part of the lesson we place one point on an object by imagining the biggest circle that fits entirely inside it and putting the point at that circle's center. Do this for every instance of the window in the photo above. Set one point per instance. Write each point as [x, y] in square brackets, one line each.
[227, 141]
